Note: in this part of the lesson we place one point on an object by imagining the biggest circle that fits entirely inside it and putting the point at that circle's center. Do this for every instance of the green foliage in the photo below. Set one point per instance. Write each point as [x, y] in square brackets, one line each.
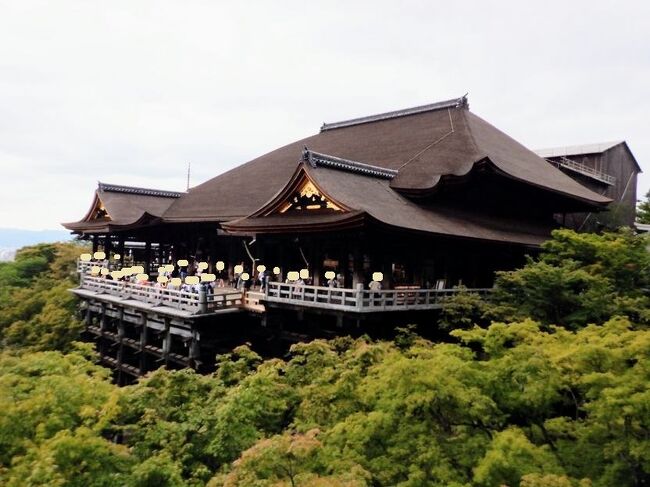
[519, 403]
[511, 455]
[643, 210]
[44, 393]
[512, 404]
[36, 309]
[290, 460]
[76, 458]
[578, 279]
[462, 310]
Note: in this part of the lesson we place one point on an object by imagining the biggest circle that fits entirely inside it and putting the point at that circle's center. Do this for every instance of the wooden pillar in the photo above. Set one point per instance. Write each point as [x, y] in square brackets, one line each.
[147, 256]
[316, 261]
[108, 246]
[120, 338]
[167, 341]
[203, 300]
[102, 328]
[120, 247]
[161, 254]
[143, 341]
[88, 316]
[194, 353]
[95, 243]
[357, 274]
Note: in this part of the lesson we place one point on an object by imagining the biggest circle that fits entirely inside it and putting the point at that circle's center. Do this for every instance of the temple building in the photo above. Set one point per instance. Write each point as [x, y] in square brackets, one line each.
[607, 168]
[421, 200]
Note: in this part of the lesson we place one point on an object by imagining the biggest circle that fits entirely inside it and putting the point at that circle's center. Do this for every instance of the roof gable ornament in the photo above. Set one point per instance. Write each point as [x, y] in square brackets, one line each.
[308, 197]
[98, 211]
[301, 194]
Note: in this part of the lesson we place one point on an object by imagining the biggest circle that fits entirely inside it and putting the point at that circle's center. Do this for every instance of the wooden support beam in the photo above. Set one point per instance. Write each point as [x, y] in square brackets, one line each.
[120, 350]
[194, 352]
[143, 342]
[167, 340]
[147, 256]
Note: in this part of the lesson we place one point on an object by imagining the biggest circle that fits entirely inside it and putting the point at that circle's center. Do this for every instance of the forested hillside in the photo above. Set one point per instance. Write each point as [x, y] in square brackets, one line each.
[546, 384]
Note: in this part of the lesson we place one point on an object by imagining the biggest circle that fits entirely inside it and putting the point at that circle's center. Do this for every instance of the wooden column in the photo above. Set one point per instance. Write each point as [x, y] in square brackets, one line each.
[316, 261]
[195, 350]
[161, 254]
[120, 343]
[357, 275]
[102, 327]
[108, 246]
[143, 342]
[167, 341]
[147, 256]
[120, 247]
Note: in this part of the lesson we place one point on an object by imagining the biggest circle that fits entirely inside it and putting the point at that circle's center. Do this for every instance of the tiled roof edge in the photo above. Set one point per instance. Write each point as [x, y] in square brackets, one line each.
[317, 159]
[116, 188]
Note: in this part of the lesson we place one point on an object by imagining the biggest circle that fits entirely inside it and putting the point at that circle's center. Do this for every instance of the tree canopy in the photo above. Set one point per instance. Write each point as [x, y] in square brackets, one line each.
[546, 385]
[36, 310]
[511, 404]
[643, 210]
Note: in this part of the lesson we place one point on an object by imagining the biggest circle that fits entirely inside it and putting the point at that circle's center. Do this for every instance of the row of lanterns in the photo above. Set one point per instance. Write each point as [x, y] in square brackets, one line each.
[138, 270]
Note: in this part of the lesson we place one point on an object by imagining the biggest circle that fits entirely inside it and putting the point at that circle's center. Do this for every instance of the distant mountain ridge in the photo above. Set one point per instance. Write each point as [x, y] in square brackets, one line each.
[12, 239]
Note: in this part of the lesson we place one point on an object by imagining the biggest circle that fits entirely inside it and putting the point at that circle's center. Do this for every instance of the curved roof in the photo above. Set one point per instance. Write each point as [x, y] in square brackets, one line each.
[117, 207]
[370, 198]
[423, 145]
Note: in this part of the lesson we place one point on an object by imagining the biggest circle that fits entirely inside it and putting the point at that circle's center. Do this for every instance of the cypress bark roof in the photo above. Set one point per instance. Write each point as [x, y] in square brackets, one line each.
[123, 207]
[425, 146]
[370, 199]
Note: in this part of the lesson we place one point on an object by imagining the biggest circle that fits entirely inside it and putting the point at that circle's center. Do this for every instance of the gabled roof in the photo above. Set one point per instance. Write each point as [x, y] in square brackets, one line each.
[123, 207]
[422, 145]
[369, 199]
[585, 149]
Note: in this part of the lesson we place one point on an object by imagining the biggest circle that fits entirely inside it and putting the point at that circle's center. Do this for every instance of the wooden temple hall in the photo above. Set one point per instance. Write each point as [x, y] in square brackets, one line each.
[421, 200]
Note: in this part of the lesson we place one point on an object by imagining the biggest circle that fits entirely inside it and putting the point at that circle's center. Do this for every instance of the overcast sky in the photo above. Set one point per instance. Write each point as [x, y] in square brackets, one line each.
[128, 92]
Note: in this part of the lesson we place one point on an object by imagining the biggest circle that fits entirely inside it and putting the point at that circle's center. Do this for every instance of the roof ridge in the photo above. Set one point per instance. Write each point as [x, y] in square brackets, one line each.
[452, 103]
[317, 159]
[575, 149]
[118, 188]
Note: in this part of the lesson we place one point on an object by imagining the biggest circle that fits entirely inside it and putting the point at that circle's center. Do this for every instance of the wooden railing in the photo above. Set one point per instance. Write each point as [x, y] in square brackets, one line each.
[355, 300]
[192, 301]
[584, 170]
[361, 300]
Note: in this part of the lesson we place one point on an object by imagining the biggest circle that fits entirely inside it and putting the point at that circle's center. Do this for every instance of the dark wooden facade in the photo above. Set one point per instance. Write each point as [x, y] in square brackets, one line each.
[611, 171]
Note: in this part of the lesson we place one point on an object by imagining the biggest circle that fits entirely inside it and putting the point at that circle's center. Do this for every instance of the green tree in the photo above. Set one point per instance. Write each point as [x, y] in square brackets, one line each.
[72, 458]
[462, 310]
[169, 413]
[578, 278]
[37, 312]
[643, 210]
[44, 393]
[290, 460]
[510, 456]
